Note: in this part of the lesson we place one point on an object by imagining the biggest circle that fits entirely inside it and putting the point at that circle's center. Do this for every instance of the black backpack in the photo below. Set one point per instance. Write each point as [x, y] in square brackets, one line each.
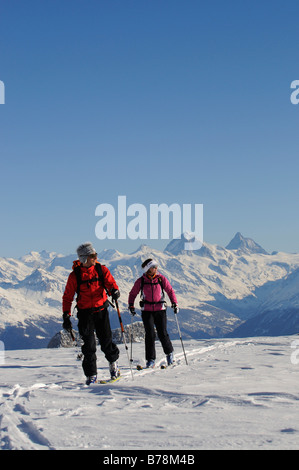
[142, 301]
[100, 277]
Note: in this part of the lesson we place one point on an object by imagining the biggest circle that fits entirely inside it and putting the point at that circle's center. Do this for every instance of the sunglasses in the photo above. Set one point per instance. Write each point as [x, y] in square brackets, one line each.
[93, 256]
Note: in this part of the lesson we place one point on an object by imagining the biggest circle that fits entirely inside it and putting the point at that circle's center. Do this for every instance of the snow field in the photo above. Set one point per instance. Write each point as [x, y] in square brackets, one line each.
[234, 394]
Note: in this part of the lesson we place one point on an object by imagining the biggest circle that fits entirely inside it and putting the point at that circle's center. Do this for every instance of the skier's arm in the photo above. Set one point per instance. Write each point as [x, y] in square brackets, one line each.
[169, 290]
[109, 281]
[134, 292]
[69, 293]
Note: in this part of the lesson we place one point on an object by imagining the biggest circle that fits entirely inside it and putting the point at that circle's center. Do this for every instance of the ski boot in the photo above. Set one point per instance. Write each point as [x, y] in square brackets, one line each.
[114, 370]
[170, 359]
[150, 364]
[91, 380]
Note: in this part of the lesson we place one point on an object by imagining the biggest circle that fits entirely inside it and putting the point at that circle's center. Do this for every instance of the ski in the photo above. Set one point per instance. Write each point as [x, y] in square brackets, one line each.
[109, 381]
[140, 367]
[167, 366]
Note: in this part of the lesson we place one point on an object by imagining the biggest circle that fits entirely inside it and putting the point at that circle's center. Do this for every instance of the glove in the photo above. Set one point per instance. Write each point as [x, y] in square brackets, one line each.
[115, 294]
[132, 310]
[67, 324]
[175, 308]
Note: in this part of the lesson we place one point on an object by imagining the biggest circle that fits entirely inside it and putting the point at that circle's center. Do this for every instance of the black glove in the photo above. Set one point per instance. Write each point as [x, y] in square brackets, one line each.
[115, 294]
[175, 308]
[132, 310]
[67, 324]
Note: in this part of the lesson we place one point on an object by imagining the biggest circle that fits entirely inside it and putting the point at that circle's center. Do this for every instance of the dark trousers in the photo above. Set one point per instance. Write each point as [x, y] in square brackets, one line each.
[95, 321]
[150, 320]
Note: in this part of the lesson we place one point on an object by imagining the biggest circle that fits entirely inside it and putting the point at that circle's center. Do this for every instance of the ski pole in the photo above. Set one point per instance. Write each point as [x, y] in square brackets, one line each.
[131, 339]
[72, 335]
[180, 335]
[123, 336]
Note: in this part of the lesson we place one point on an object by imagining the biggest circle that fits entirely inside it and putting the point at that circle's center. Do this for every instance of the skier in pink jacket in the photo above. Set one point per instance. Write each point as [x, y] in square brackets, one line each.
[152, 286]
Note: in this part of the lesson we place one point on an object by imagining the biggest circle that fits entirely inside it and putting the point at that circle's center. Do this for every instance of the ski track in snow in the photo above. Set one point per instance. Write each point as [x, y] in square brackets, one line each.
[234, 394]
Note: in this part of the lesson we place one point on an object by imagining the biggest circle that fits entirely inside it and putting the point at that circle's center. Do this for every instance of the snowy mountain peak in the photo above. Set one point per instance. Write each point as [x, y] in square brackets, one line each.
[179, 245]
[109, 254]
[245, 245]
[144, 250]
[36, 259]
[39, 280]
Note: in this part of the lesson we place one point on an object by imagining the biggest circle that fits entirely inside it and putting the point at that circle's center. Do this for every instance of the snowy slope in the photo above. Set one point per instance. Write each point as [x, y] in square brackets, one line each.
[234, 394]
[217, 288]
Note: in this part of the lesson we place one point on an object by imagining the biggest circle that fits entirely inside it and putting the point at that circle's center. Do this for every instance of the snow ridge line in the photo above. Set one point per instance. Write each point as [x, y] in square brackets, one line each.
[219, 346]
[180, 359]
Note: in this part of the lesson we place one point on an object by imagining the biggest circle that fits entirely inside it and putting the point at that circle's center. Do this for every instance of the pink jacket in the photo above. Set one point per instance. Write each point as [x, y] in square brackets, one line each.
[153, 294]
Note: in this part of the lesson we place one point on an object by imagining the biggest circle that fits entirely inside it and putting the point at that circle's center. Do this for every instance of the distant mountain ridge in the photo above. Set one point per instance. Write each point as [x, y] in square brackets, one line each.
[221, 291]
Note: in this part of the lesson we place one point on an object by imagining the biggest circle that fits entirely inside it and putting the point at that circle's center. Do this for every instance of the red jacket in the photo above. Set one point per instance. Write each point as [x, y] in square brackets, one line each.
[91, 294]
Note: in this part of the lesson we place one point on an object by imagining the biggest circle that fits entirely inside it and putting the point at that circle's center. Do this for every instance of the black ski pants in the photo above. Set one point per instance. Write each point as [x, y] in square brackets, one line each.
[91, 321]
[150, 321]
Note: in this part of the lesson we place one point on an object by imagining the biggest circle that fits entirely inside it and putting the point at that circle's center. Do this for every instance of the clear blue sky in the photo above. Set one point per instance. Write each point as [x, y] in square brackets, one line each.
[164, 101]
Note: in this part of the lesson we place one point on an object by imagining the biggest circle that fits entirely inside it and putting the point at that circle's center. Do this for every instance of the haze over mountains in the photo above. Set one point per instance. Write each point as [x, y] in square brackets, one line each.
[236, 291]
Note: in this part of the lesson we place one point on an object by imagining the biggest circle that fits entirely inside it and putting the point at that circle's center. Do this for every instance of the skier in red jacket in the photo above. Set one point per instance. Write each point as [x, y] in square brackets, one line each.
[92, 303]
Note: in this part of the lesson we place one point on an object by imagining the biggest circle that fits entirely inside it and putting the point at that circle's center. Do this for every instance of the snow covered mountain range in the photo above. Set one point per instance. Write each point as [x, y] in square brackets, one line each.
[236, 291]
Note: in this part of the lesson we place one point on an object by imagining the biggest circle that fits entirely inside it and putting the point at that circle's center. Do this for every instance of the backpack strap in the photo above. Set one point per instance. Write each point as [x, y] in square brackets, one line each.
[141, 286]
[161, 285]
[100, 274]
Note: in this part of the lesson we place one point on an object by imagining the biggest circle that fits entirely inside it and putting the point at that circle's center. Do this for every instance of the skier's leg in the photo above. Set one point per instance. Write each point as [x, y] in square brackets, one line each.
[148, 322]
[161, 326]
[86, 330]
[104, 334]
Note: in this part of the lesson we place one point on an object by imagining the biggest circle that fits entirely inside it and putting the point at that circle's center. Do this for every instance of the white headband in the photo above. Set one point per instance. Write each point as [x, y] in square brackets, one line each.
[150, 265]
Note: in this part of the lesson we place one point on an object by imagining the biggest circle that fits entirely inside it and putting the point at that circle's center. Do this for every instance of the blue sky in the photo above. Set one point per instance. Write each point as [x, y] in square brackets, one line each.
[164, 101]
